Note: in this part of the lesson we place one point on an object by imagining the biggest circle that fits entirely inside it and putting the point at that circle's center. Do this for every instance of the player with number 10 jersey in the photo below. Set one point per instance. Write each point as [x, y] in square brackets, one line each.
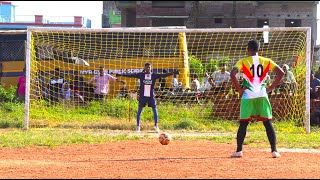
[255, 70]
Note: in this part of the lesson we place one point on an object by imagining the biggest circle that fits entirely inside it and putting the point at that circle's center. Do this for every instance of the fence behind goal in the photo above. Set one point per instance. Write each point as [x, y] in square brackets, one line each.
[125, 50]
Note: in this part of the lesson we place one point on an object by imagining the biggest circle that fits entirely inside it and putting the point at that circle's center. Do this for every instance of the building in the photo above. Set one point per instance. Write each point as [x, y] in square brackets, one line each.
[221, 14]
[10, 21]
[111, 16]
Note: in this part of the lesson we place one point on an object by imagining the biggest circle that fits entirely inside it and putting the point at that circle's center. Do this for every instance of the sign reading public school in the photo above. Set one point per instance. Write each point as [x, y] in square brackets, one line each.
[119, 71]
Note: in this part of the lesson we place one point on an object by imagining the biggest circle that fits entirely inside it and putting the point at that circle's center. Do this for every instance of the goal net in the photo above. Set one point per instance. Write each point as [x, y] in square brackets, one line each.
[62, 64]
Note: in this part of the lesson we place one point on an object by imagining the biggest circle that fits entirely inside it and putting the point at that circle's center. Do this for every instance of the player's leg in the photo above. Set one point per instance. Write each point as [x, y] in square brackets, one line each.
[153, 104]
[271, 134]
[265, 110]
[155, 116]
[247, 110]
[271, 137]
[138, 118]
[241, 134]
[142, 103]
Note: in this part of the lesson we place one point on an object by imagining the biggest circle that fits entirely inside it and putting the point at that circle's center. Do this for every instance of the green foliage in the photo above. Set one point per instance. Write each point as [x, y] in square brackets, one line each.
[224, 60]
[199, 67]
[211, 66]
[196, 66]
[8, 95]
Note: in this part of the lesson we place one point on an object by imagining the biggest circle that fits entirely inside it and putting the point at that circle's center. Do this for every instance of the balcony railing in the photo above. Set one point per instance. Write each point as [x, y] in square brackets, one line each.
[40, 19]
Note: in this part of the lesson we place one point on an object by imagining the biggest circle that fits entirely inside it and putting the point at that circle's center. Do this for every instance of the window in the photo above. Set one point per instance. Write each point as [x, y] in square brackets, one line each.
[131, 17]
[218, 20]
[167, 22]
[168, 4]
[293, 23]
[12, 50]
[262, 22]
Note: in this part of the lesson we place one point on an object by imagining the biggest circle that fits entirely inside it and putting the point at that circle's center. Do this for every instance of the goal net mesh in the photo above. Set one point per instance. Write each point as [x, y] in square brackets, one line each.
[65, 60]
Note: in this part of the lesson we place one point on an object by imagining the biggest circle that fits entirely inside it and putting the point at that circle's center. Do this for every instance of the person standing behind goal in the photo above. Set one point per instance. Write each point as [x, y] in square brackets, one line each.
[146, 91]
[102, 84]
[255, 102]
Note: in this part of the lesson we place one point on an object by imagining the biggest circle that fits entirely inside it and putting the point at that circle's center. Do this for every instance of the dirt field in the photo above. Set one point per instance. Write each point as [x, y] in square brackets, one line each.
[147, 158]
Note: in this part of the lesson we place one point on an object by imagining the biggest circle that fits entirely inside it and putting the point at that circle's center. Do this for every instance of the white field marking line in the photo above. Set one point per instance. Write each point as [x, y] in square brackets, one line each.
[295, 150]
[151, 133]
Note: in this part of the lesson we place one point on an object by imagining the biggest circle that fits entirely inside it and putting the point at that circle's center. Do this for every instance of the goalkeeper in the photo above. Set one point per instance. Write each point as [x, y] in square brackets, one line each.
[146, 91]
[254, 102]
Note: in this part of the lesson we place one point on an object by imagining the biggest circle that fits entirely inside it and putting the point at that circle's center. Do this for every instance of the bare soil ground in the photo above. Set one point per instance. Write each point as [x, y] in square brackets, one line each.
[148, 159]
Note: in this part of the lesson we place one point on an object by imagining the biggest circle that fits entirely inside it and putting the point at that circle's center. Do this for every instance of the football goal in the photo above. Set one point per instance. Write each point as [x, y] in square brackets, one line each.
[61, 62]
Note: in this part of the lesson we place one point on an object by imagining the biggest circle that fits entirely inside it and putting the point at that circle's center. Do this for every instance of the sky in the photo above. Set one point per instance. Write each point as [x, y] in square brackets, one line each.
[90, 9]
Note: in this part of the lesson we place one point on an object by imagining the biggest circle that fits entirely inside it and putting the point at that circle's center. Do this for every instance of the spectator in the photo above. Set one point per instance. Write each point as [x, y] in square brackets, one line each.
[41, 85]
[314, 94]
[102, 84]
[195, 84]
[221, 79]
[55, 85]
[78, 88]
[175, 85]
[314, 87]
[317, 74]
[147, 93]
[206, 83]
[288, 81]
[66, 94]
[162, 81]
[21, 87]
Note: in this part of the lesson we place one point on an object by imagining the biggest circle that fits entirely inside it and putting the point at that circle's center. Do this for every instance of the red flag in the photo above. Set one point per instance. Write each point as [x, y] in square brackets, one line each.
[296, 63]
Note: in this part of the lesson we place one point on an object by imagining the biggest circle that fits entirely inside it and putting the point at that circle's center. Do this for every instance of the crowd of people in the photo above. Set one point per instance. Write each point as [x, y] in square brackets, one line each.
[97, 88]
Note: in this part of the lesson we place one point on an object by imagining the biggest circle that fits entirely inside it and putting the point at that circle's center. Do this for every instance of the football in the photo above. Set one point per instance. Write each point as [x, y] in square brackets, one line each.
[165, 138]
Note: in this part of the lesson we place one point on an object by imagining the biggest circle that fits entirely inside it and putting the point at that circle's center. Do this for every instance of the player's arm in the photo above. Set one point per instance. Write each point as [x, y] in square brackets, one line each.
[115, 79]
[279, 76]
[92, 80]
[135, 75]
[235, 81]
[167, 74]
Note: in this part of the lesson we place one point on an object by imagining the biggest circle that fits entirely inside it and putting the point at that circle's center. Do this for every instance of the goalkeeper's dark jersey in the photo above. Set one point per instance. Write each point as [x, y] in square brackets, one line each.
[147, 82]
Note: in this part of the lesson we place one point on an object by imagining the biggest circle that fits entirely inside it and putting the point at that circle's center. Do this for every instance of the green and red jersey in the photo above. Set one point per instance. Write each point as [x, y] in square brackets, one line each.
[255, 70]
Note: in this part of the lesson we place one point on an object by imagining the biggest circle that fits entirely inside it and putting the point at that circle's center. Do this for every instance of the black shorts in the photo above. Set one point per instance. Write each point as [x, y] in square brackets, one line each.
[151, 101]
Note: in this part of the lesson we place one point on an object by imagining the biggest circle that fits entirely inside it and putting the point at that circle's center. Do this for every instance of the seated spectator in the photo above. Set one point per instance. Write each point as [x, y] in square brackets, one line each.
[21, 87]
[78, 88]
[268, 79]
[206, 83]
[195, 84]
[55, 86]
[314, 87]
[288, 82]
[175, 85]
[162, 81]
[66, 94]
[315, 117]
[239, 77]
[41, 86]
[317, 74]
[221, 80]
